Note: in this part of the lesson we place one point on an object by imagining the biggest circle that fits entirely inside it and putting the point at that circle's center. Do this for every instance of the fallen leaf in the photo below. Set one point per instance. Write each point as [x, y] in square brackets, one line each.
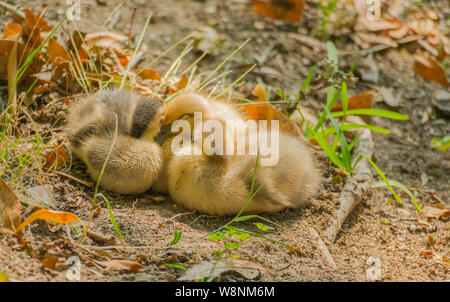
[54, 263]
[441, 143]
[179, 84]
[149, 74]
[11, 30]
[104, 239]
[9, 207]
[429, 69]
[263, 110]
[435, 213]
[57, 53]
[56, 158]
[104, 39]
[426, 254]
[42, 195]
[248, 269]
[120, 265]
[49, 215]
[287, 10]
[361, 101]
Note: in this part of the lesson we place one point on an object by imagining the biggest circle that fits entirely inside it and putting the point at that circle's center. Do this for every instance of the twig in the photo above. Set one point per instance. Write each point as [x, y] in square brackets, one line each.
[323, 249]
[14, 8]
[357, 186]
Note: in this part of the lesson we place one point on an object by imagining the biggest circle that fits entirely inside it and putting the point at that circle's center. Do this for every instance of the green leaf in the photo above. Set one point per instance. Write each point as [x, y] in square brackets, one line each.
[394, 183]
[384, 179]
[176, 237]
[332, 130]
[378, 112]
[175, 266]
[233, 245]
[242, 236]
[308, 79]
[332, 53]
[440, 143]
[262, 226]
[343, 140]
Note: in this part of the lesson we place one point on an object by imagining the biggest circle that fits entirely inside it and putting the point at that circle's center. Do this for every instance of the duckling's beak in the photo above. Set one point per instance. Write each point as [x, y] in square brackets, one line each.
[188, 104]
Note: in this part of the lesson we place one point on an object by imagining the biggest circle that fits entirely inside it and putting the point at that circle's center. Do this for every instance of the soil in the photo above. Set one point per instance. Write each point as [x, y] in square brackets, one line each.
[378, 227]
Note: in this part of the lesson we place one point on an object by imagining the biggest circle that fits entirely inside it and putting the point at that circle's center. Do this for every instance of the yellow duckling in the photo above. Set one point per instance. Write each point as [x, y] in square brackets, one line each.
[136, 160]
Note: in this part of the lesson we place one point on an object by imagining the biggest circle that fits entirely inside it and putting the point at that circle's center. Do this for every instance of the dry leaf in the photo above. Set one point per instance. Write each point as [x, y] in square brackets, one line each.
[49, 215]
[9, 206]
[429, 69]
[11, 30]
[120, 265]
[248, 269]
[42, 195]
[178, 85]
[149, 74]
[104, 39]
[54, 263]
[57, 53]
[263, 110]
[361, 101]
[56, 158]
[104, 239]
[435, 213]
[287, 10]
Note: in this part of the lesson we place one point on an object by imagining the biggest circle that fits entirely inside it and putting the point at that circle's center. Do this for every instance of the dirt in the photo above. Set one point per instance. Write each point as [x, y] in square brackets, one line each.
[377, 229]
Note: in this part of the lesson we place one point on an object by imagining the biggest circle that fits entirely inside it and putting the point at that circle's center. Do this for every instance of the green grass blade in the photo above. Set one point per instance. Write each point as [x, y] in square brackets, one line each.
[111, 216]
[394, 183]
[343, 140]
[332, 130]
[386, 181]
[377, 112]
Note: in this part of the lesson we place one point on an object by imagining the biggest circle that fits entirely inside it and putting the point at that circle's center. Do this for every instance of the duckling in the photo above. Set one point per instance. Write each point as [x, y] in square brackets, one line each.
[221, 184]
[136, 160]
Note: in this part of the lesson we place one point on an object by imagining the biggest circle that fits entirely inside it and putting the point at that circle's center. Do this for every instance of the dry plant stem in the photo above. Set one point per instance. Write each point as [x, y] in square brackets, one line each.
[357, 186]
[323, 249]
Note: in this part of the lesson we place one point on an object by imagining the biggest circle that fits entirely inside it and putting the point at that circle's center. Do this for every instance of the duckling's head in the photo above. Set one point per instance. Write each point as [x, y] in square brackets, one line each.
[147, 118]
[186, 104]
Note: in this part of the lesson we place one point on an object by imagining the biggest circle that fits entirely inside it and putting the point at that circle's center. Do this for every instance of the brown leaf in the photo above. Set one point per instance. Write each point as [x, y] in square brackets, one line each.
[49, 215]
[263, 110]
[149, 74]
[6, 47]
[11, 30]
[180, 84]
[56, 158]
[9, 207]
[361, 101]
[436, 213]
[104, 239]
[429, 69]
[32, 28]
[54, 263]
[57, 53]
[120, 265]
[287, 10]
[103, 39]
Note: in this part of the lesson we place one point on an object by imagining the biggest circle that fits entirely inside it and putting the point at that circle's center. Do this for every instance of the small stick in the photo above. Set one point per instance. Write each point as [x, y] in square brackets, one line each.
[13, 8]
[357, 186]
[323, 249]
